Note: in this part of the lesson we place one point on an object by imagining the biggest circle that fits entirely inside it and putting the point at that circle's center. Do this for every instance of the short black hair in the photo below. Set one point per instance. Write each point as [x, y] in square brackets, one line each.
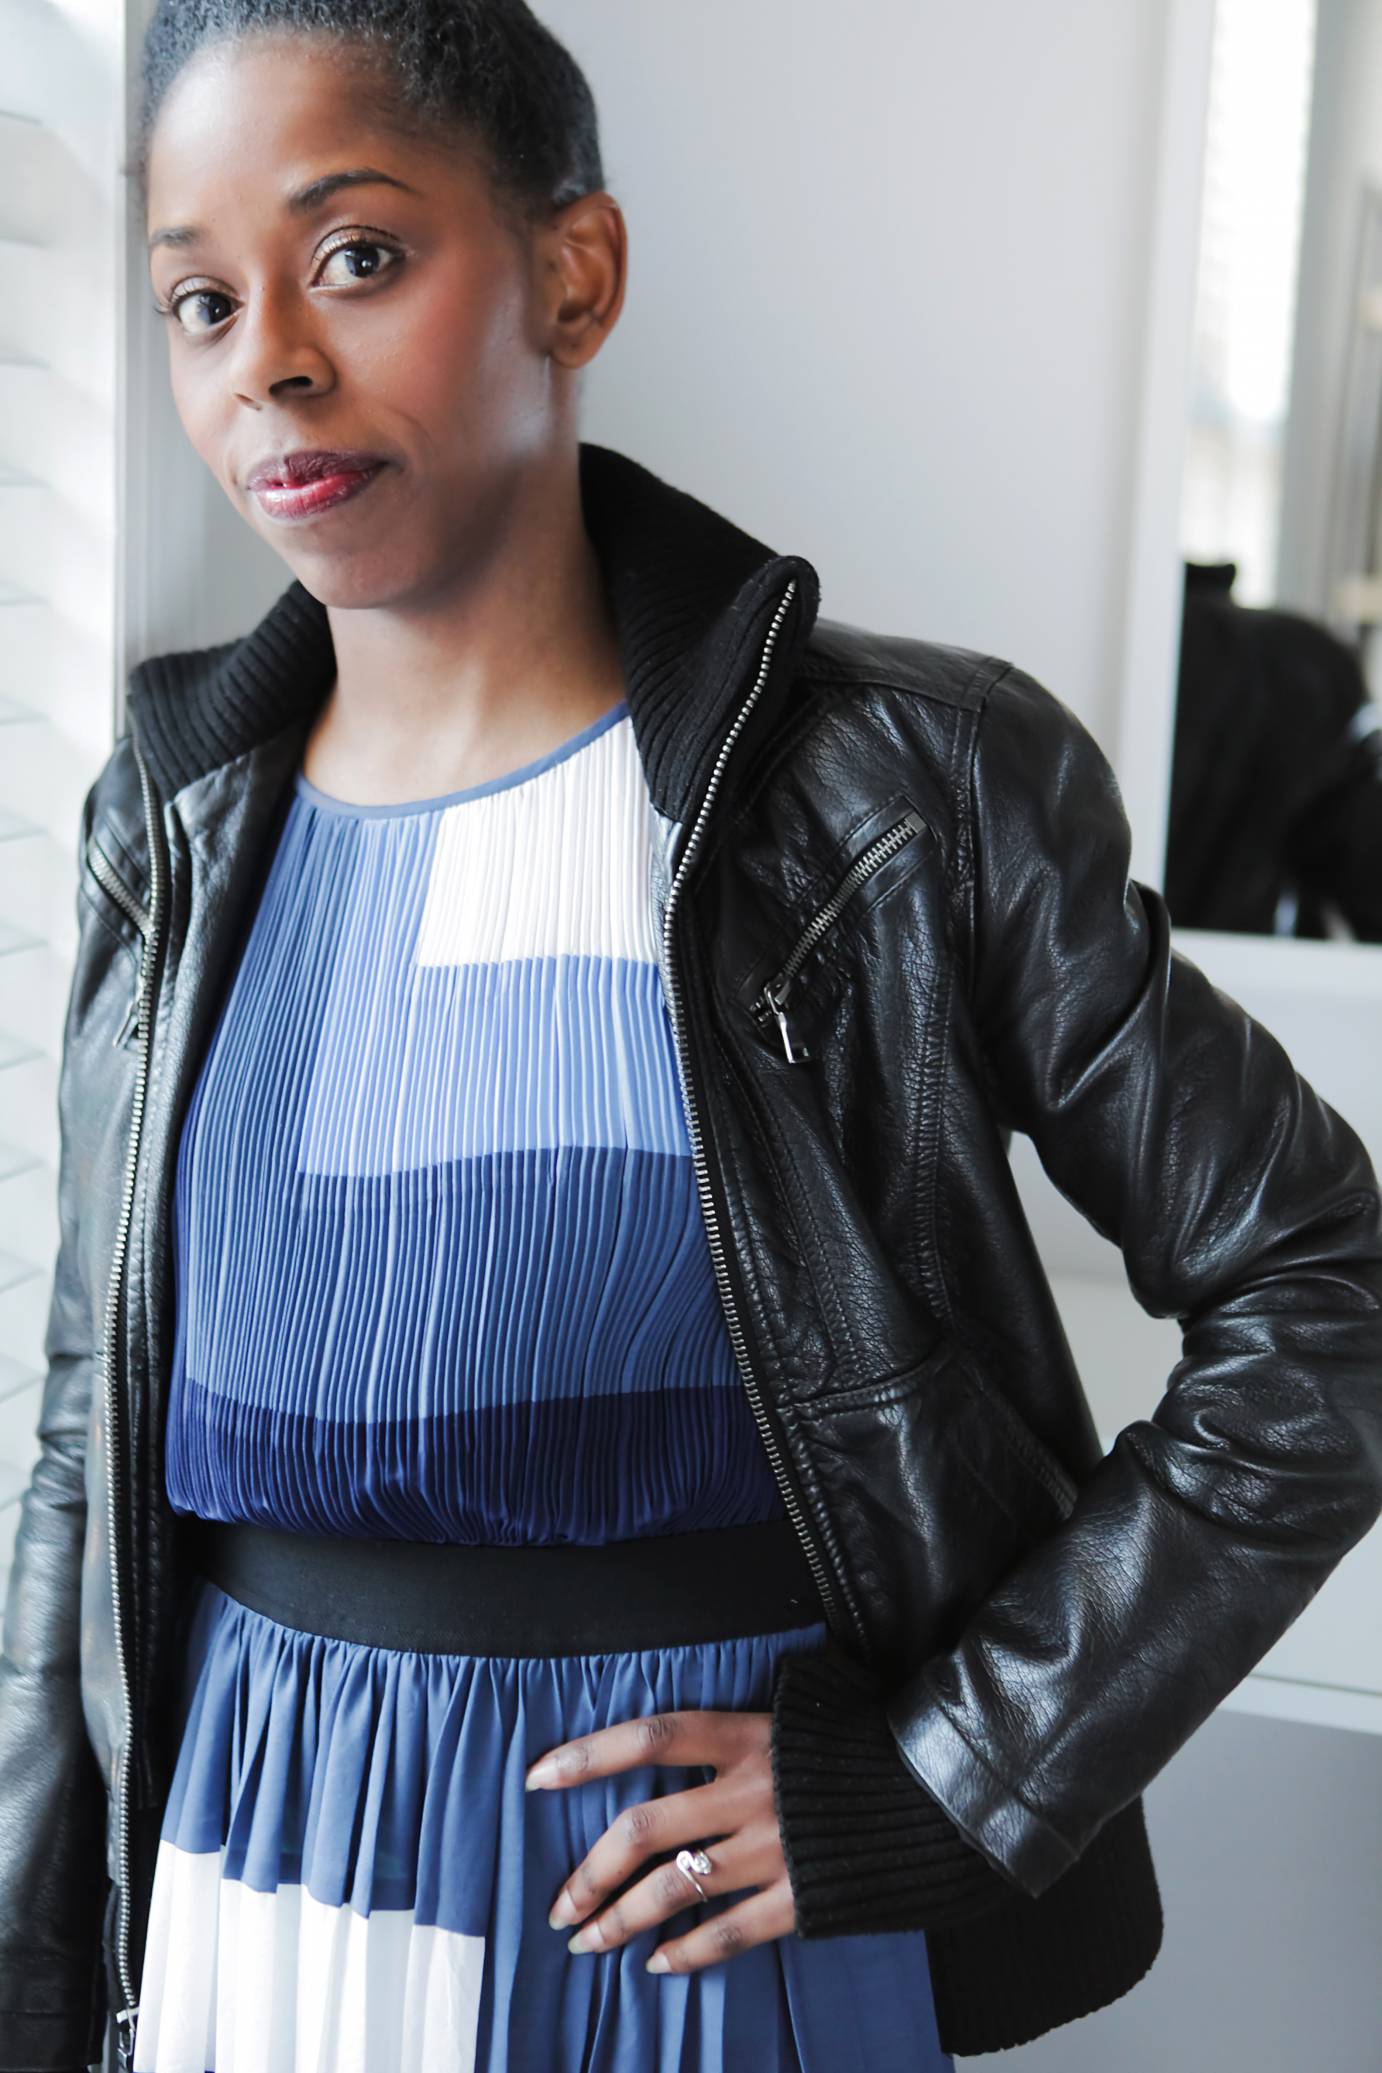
[486, 69]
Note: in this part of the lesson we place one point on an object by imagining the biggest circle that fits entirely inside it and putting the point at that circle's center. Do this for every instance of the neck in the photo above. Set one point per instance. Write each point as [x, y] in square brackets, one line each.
[511, 658]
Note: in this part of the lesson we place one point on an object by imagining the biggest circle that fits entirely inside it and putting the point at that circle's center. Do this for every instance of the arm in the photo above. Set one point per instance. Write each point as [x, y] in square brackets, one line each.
[52, 1796]
[1245, 1207]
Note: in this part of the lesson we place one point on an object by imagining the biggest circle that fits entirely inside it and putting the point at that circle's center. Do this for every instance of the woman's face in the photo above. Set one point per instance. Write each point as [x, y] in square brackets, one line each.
[394, 317]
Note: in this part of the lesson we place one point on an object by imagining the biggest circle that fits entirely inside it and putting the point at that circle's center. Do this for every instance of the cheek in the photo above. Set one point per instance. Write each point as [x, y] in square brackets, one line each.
[193, 400]
[452, 351]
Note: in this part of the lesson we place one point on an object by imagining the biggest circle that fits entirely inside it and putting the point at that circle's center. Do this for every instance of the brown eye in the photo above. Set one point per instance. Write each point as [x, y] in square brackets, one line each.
[368, 251]
[194, 296]
[363, 259]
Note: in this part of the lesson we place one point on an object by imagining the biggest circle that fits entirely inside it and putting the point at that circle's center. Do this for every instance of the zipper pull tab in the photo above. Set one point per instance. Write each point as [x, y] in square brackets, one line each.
[792, 1057]
[131, 1022]
[125, 2021]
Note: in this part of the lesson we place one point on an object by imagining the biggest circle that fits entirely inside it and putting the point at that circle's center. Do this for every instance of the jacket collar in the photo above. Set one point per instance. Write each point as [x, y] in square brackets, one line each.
[691, 594]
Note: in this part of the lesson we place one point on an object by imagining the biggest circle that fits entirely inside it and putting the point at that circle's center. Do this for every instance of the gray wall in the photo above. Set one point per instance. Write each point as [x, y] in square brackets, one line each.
[1267, 1838]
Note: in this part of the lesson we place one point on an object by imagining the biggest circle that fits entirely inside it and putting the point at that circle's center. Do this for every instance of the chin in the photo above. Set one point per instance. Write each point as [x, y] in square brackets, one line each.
[369, 575]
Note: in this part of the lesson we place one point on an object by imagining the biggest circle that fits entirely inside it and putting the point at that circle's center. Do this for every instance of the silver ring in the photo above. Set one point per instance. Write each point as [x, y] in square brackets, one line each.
[691, 1862]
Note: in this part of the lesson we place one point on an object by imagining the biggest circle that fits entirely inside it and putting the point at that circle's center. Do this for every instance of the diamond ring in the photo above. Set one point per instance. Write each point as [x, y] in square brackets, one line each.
[691, 1862]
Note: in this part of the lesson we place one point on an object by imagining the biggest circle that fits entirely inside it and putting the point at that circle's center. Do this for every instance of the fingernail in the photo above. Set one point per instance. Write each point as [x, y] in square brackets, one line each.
[543, 1773]
[561, 1913]
[657, 1963]
[579, 1942]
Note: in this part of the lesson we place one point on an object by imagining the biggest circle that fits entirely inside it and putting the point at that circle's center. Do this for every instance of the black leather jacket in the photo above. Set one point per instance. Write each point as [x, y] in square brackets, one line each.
[895, 924]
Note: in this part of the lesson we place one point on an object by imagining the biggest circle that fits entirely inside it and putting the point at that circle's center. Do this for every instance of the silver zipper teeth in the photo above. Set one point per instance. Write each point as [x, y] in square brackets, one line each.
[128, 2014]
[103, 869]
[879, 850]
[823, 1584]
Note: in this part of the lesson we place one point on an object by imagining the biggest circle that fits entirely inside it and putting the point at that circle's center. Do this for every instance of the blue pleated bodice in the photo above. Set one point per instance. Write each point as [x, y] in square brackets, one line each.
[441, 1267]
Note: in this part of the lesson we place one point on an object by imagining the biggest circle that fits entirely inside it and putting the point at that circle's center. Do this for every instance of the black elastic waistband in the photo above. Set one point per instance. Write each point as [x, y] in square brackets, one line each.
[558, 1600]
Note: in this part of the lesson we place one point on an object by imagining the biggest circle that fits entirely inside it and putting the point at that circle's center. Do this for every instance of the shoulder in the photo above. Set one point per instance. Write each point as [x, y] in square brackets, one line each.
[115, 796]
[991, 693]
[978, 728]
[112, 857]
[950, 677]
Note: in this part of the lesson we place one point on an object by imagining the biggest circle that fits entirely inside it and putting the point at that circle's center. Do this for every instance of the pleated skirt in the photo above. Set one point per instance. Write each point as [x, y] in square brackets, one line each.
[351, 1877]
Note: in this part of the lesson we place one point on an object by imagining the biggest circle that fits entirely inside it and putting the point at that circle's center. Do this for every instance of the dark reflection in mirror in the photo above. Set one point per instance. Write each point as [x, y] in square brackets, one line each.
[1276, 787]
[1275, 818]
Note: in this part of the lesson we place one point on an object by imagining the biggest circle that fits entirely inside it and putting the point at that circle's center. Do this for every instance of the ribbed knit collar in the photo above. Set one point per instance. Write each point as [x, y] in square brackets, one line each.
[691, 593]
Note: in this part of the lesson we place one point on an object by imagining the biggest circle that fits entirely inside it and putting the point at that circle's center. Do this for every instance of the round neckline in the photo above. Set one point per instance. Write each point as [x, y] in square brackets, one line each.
[359, 810]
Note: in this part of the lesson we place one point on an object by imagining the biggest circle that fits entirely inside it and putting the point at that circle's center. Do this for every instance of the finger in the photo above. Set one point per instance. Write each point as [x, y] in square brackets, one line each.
[698, 1735]
[761, 1918]
[748, 1859]
[641, 1831]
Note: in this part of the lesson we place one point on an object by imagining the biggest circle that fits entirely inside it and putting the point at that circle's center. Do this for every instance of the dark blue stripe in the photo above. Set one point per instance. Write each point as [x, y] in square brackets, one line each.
[599, 1468]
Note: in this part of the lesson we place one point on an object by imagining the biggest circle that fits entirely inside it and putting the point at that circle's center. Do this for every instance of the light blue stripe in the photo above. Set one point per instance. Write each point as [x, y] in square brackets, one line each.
[448, 1062]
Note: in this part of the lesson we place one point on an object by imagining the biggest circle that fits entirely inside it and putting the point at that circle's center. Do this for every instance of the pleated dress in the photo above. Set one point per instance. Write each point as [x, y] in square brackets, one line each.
[442, 1275]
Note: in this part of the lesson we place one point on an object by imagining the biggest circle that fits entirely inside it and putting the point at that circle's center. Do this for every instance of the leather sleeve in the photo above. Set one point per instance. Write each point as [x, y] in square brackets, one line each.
[1247, 1209]
[52, 1795]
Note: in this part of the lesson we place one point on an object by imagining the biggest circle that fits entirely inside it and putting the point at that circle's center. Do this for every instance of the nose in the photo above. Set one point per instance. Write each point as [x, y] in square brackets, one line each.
[275, 348]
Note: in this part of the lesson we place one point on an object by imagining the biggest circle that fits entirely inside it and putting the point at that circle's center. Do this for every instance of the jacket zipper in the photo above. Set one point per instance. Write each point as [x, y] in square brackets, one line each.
[104, 871]
[770, 1001]
[794, 1511]
[148, 922]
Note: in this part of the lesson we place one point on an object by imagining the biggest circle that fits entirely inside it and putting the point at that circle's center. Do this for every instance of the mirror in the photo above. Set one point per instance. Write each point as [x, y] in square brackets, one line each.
[1274, 824]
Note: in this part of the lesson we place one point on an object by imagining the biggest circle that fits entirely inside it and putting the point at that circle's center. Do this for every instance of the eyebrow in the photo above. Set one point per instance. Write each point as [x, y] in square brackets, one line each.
[302, 203]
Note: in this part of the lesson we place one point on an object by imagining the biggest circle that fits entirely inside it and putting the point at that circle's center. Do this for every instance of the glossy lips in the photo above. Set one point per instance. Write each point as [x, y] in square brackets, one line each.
[301, 484]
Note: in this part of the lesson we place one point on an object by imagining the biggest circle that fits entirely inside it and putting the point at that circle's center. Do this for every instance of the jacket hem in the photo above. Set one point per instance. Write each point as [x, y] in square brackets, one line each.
[30, 2043]
[1032, 1966]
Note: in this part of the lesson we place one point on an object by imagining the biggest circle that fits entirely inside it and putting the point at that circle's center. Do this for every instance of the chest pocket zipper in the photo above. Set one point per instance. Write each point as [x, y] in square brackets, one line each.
[770, 1002]
[110, 881]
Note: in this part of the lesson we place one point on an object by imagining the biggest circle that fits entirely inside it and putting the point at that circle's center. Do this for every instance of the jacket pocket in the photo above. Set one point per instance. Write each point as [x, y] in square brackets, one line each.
[1019, 1435]
[937, 1488]
[125, 913]
[894, 829]
[975, 1424]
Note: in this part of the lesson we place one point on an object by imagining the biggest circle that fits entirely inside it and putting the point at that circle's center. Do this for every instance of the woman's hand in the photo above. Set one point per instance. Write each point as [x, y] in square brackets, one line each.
[733, 1818]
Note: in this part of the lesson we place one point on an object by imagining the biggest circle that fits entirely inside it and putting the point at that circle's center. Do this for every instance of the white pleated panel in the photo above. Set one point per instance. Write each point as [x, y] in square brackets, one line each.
[286, 1984]
[175, 2031]
[580, 831]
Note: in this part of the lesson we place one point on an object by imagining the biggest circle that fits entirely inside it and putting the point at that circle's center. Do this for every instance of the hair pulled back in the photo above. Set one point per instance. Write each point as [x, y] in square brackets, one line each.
[485, 71]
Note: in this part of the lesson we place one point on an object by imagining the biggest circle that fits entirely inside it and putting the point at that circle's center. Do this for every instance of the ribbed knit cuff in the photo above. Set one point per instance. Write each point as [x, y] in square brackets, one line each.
[867, 1847]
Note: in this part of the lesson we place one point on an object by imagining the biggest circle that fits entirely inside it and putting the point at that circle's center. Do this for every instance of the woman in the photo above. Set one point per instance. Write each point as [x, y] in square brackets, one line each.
[518, 1526]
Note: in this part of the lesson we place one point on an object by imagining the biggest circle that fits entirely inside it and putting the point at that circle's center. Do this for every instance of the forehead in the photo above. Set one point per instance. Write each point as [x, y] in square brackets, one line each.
[263, 115]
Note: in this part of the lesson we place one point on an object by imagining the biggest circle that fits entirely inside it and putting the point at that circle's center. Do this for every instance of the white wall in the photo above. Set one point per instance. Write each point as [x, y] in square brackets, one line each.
[886, 296]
